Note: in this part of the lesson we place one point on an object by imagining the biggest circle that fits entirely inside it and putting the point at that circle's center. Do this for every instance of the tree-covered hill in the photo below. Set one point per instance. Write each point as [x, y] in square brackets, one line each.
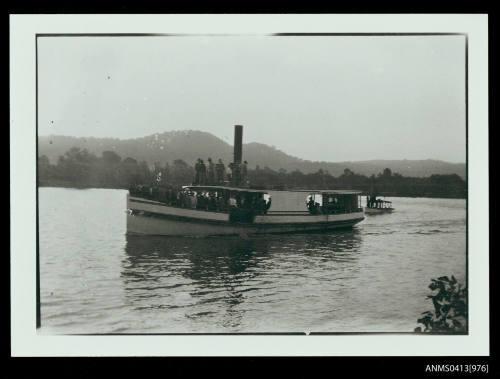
[190, 145]
[82, 169]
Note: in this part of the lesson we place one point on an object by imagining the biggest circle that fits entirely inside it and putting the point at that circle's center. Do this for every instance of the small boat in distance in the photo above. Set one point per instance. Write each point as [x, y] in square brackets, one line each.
[236, 209]
[377, 206]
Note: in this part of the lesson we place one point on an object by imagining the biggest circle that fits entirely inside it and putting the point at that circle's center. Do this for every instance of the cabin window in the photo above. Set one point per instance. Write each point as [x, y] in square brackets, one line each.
[331, 203]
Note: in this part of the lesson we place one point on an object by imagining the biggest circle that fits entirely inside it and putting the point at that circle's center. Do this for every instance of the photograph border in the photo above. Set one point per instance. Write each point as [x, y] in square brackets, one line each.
[139, 35]
[479, 22]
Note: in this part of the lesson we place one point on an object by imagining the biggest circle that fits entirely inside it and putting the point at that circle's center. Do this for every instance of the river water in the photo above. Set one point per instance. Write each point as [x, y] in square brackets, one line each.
[372, 278]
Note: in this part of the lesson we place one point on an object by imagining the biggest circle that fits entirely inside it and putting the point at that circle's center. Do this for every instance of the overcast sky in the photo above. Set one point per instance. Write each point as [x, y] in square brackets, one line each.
[318, 98]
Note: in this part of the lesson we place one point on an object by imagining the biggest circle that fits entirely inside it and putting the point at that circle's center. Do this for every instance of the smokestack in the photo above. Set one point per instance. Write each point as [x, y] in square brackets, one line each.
[238, 143]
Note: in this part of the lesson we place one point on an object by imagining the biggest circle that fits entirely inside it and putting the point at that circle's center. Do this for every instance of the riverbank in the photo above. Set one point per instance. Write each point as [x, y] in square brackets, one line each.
[67, 184]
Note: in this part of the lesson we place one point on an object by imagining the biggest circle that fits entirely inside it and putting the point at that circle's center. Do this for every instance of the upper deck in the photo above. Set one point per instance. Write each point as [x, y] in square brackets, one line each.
[236, 200]
[265, 191]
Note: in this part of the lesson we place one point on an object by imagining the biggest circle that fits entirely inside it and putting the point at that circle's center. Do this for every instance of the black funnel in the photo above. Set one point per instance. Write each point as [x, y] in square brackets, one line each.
[238, 143]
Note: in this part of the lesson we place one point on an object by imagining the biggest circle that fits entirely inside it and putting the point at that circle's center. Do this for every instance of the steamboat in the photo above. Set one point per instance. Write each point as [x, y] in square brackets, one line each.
[234, 208]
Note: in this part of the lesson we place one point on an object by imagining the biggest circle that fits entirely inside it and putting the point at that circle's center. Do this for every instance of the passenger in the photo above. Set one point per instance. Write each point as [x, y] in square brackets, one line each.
[226, 196]
[248, 204]
[211, 173]
[232, 202]
[220, 169]
[206, 201]
[197, 170]
[199, 201]
[235, 173]
[317, 208]
[231, 176]
[244, 173]
[170, 197]
[262, 205]
[162, 194]
[212, 202]
[203, 173]
[310, 205]
[268, 205]
[220, 203]
[179, 201]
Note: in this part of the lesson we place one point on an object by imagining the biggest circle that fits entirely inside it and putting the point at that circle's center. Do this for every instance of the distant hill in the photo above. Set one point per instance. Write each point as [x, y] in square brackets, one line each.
[190, 145]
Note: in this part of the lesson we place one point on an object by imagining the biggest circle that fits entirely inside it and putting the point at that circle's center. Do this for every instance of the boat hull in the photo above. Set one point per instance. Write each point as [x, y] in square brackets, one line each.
[150, 218]
[373, 211]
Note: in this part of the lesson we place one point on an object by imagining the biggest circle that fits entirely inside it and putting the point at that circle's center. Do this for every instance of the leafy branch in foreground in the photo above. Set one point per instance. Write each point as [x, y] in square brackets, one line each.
[450, 308]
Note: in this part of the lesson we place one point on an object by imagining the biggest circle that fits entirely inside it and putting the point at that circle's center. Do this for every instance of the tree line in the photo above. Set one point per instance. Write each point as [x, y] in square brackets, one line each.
[82, 169]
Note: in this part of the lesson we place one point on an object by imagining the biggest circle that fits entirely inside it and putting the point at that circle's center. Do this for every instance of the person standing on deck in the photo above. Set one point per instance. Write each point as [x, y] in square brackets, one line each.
[211, 172]
[310, 204]
[262, 204]
[197, 172]
[268, 205]
[231, 167]
[235, 173]
[203, 173]
[244, 172]
[220, 169]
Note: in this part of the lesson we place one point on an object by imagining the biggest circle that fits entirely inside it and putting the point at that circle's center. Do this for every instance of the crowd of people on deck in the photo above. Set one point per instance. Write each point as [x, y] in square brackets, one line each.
[220, 200]
[212, 174]
[217, 200]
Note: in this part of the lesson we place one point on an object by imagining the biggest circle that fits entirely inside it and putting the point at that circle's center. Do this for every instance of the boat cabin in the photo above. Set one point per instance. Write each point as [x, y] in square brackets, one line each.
[257, 202]
[315, 202]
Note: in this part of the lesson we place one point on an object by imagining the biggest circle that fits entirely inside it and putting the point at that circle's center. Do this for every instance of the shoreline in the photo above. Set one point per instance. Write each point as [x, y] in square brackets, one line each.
[83, 187]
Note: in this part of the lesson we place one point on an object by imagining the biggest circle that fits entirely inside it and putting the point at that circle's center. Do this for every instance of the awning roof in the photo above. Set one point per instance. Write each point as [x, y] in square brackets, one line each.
[325, 192]
[339, 192]
[223, 188]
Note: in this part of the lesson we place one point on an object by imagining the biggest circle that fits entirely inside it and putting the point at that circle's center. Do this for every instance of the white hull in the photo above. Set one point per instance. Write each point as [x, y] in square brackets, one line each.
[153, 218]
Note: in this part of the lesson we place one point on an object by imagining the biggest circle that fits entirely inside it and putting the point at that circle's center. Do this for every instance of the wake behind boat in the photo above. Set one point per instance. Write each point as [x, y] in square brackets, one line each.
[235, 209]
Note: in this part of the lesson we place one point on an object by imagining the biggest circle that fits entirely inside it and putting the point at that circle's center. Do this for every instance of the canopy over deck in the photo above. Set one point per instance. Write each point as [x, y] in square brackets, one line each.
[337, 192]
[223, 188]
[301, 191]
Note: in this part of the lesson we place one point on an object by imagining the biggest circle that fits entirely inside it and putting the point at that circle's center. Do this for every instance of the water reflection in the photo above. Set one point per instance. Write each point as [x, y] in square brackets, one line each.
[210, 279]
[196, 259]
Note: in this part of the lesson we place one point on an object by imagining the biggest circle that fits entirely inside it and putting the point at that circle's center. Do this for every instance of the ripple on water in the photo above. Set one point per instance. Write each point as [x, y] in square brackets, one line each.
[95, 279]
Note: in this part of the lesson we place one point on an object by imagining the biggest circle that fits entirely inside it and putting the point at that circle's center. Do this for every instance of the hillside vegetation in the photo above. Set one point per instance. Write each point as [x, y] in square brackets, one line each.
[82, 169]
[190, 145]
